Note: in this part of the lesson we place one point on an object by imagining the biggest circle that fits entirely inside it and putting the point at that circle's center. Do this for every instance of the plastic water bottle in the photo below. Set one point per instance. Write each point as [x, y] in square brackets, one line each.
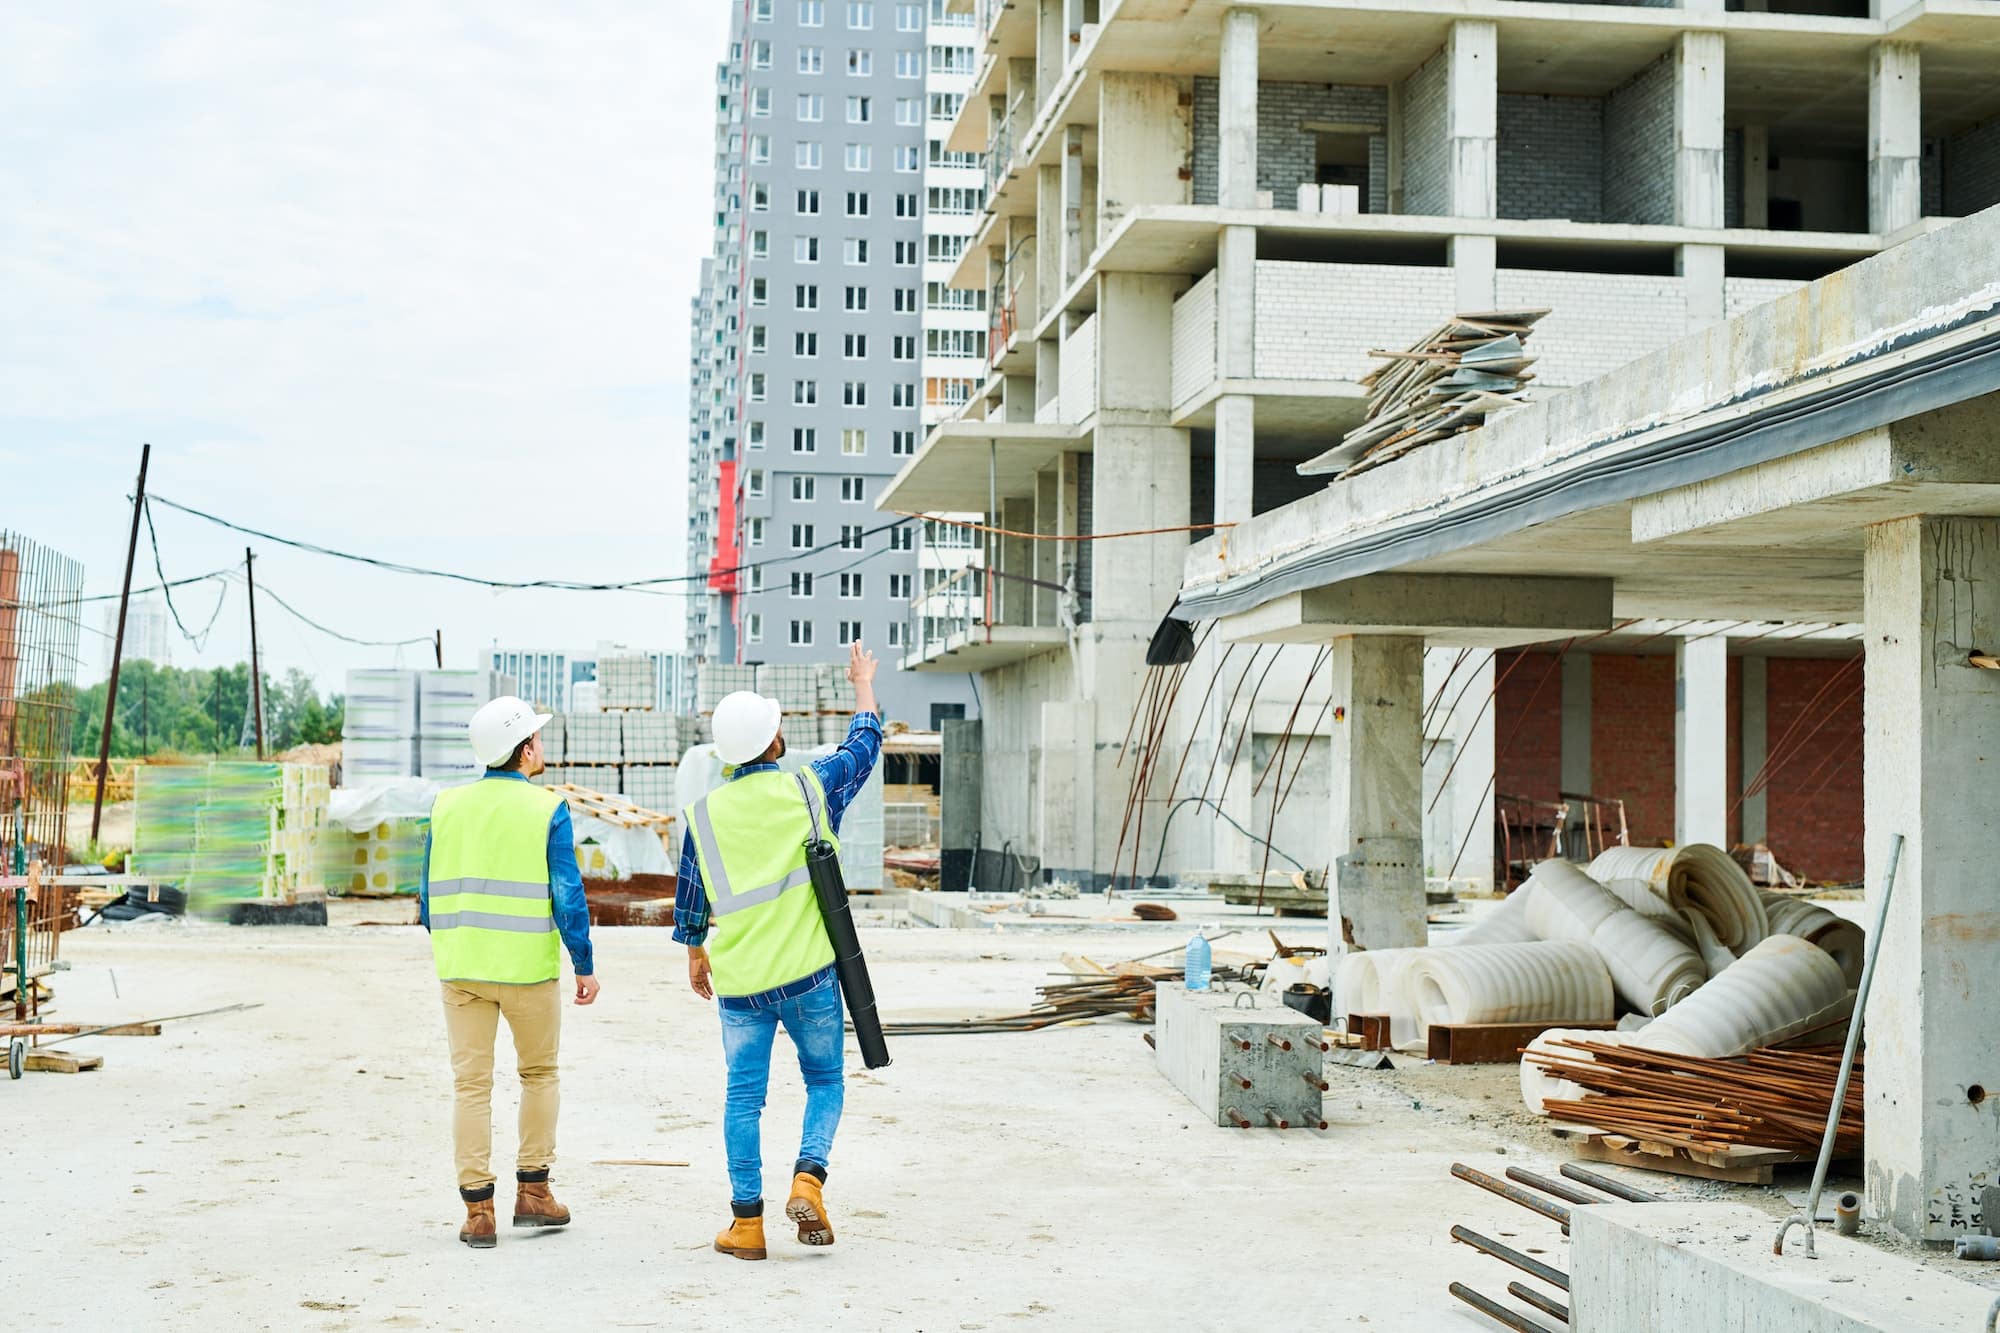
[1197, 962]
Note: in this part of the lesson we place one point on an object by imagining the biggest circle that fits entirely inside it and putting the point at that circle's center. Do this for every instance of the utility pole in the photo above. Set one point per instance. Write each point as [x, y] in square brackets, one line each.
[118, 648]
[437, 645]
[256, 677]
[145, 725]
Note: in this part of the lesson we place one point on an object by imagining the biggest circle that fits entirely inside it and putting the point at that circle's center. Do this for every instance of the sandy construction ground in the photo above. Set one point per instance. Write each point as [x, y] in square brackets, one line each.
[288, 1167]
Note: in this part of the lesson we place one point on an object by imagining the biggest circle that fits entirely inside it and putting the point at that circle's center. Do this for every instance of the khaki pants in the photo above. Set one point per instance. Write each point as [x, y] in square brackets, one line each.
[472, 1013]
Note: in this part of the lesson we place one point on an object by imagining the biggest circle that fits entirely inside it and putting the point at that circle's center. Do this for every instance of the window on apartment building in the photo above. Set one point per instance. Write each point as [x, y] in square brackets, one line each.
[805, 393]
[802, 633]
[909, 64]
[760, 244]
[944, 106]
[909, 18]
[805, 249]
[851, 536]
[760, 101]
[906, 300]
[853, 490]
[756, 483]
[951, 60]
[805, 203]
[802, 584]
[850, 630]
[906, 253]
[899, 587]
[955, 342]
[757, 332]
[757, 386]
[756, 573]
[940, 158]
[756, 533]
[760, 292]
[857, 299]
[753, 435]
[908, 206]
[854, 346]
[804, 489]
[802, 536]
[853, 442]
[812, 59]
[760, 54]
[895, 634]
[902, 395]
[855, 250]
[760, 196]
[810, 107]
[905, 348]
[760, 11]
[857, 203]
[805, 440]
[944, 247]
[908, 158]
[860, 110]
[909, 111]
[903, 538]
[812, 13]
[850, 586]
[861, 14]
[805, 296]
[854, 393]
[902, 443]
[860, 61]
[954, 201]
[937, 296]
[753, 627]
[805, 343]
[860, 157]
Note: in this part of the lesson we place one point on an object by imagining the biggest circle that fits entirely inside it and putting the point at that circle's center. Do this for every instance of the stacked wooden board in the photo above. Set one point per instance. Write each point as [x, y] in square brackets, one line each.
[1447, 382]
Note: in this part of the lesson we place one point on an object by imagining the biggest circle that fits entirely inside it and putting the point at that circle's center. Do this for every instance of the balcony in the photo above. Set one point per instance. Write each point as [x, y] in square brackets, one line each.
[964, 624]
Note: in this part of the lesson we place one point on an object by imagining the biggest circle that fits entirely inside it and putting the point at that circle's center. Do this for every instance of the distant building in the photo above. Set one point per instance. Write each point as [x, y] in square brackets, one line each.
[564, 682]
[149, 633]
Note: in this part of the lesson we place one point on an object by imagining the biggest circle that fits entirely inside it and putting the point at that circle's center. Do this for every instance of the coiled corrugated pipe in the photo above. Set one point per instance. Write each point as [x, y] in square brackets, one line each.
[1695, 878]
[1846, 941]
[1567, 904]
[1539, 1084]
[1505, 924]
[1651, 967]
[1780, 989]
[1371, 981]
[1510, 983]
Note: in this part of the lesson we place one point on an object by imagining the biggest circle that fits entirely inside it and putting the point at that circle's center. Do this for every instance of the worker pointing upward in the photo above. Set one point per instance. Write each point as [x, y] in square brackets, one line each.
[743, 876]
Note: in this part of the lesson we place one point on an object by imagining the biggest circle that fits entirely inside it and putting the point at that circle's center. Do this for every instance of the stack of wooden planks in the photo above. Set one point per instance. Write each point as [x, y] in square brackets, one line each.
[1448, 382]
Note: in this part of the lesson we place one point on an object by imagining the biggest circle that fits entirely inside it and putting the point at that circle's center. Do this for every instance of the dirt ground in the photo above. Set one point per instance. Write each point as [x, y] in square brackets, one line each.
[288, 1167]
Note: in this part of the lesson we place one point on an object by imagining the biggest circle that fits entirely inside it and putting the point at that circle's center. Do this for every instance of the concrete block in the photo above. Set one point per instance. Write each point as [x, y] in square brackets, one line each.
[1231, 1059]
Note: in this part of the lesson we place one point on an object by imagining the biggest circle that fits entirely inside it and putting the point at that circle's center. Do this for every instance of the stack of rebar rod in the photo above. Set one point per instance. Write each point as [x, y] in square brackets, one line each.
[1069, 1001]
[1445, 383]
[1767, 1099]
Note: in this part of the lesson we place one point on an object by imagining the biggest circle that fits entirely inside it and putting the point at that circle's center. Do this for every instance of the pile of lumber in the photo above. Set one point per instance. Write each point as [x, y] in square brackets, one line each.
[1447, 382]
[1124, 994]
[1767, 1099]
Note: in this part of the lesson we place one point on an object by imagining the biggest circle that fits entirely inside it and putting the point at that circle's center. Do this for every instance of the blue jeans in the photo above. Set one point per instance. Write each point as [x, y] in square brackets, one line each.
[813, 1021]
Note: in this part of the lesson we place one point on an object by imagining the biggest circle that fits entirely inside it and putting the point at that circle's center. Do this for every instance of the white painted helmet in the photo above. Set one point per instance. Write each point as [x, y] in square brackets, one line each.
[745, 725]
[500, 725]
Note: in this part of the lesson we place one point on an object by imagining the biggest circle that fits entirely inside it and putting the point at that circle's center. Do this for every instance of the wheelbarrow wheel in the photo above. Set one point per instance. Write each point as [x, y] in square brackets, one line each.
[17, 1057]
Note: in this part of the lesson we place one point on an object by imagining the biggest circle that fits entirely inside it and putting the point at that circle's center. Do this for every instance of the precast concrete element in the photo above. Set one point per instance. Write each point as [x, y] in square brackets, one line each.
[1688, 1267]
[1377, 894]
[1236, 168]
[1456, 609]
[1895, 136]
[1701, 741]
[1698, 131]
[1244, 1066]
[1932, 724]
[1472, 133]
[961, 774]
[1236, 349]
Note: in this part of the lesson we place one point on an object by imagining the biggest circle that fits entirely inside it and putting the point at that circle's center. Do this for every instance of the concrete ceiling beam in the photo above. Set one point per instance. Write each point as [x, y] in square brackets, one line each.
[1469, 610]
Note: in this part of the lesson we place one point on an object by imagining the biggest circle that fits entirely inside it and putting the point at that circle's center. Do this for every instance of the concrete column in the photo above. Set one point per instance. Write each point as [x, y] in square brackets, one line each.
[1235, 338]
[1756, 176]
[1013, 598]
[1576, 722]
[1051, 47]
[1895, 136]
[1044, 555]
[1139, 459]
[1017, 398]
[1376, 899]
[1458, 813]
[1145, 140]
[1701, 740]
[1751, 714]
[1703, 282]
[1236, 168]
[960, 772]
[1472, 115]
[1698, 130]
[1932, 725]
[1235, 456]
[1048, 238]
[1066, 820]
[1073, 209]
[1067, 515]
[1048, 373]
[1474, 265]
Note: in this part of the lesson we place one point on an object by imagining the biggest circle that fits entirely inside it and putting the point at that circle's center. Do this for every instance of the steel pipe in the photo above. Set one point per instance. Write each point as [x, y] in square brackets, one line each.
[1492, 1309]
[1616, 1189]
[1555, 1277]
[1555, 1212]
[1521, 1291]
[1534, 1180]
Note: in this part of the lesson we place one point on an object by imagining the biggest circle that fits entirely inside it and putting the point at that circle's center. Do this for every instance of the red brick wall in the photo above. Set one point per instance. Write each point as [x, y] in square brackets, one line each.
[1527, 726]
[1813, 803]
[1632, 740]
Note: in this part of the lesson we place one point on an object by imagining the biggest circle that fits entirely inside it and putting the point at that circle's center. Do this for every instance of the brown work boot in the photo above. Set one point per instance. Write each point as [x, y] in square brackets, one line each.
[745, 1237]
[480, 1230]
[807, 1209]
[534, 1206]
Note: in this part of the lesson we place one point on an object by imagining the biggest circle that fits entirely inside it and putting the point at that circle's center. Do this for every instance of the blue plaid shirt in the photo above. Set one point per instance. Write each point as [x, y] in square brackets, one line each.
[842, 773]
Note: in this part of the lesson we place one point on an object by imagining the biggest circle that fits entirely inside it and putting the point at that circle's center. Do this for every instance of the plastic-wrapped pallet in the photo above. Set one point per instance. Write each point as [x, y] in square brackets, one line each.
[794, 685]
[366, 759]
[715, 679]
[651, 786]
[446, 700]
[386, 860]
[380, 705]
[652, 738]
[835, 690]
[626, 680]
[448, 760]
[593, 738]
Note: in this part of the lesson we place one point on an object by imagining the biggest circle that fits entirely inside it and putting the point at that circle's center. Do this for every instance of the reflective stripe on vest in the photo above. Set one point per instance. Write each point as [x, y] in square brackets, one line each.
[749, 839]
[491, 914]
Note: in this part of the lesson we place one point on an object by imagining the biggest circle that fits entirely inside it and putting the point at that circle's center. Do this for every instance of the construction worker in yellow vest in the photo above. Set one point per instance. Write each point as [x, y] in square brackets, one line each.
[757, 944]
[500, 885]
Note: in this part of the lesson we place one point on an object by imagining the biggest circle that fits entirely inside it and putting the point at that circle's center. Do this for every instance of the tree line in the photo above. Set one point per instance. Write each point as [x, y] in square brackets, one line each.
[166, 709]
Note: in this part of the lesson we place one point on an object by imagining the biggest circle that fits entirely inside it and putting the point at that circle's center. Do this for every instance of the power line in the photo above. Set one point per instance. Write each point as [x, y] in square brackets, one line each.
[266, 591]
[222, 594]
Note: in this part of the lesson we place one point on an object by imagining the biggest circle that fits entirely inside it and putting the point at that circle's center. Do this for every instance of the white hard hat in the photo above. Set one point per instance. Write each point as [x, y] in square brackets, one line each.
[500, 725]
[745, 725]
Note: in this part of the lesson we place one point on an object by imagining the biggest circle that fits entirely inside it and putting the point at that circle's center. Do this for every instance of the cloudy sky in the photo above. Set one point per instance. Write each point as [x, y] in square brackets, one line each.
[406, 279]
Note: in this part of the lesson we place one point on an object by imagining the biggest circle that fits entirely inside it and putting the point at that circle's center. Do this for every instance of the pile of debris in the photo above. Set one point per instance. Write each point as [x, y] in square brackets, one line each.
[1447, 382]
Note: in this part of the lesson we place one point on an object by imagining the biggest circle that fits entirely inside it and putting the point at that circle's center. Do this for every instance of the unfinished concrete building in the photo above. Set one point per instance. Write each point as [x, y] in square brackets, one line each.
[1200, 219]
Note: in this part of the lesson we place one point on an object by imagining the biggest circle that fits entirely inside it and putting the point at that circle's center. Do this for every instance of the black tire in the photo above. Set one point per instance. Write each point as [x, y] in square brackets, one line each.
[17, 1057]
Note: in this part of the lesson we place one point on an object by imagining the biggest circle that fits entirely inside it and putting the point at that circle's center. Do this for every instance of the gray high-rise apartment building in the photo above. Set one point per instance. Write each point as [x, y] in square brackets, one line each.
[807, 389]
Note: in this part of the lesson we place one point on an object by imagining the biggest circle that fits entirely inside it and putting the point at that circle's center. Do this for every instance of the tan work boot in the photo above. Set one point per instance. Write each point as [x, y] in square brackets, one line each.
[744, 1239]
[480, 1230]
[534, 1206]
[807, 1209]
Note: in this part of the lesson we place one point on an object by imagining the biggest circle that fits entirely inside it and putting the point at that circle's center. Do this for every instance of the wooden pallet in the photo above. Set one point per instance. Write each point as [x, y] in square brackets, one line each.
[612, 809]
[1739, 1166]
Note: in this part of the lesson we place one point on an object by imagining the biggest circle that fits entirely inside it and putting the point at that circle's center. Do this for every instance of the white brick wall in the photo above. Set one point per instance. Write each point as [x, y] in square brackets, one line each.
[1078, 392]
[1194, 339]
[1596, 322]
[1741, 294]
[1426, 163]
[1318, 321]
[1639, 136]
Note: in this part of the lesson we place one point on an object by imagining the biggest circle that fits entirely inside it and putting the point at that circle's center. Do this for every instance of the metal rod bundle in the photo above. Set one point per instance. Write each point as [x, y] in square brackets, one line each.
[1068, 1002]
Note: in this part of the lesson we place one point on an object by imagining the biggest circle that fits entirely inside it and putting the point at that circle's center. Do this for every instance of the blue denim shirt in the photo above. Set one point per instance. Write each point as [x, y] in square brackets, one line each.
[842, 773]
[572, 911]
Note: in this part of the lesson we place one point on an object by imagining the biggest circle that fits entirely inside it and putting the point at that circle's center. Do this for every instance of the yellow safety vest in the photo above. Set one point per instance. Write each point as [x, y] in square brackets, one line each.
[491, 913]
[750, 842]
